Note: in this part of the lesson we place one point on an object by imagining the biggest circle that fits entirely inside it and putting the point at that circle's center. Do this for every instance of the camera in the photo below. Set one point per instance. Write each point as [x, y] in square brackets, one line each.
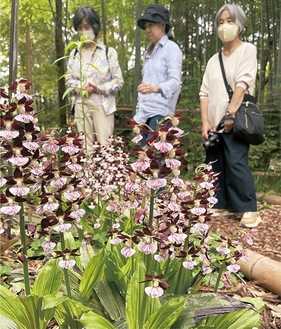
[212, 141]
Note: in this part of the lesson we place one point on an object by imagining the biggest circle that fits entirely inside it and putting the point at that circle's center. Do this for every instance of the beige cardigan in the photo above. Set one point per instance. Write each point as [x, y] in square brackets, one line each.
[240, 68]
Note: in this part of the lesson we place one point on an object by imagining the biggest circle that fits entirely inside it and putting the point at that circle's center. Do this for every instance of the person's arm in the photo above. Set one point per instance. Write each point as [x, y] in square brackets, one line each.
[173, 82]
[205, 123]
[245, 76]
[204, 104]
[236, 101]
[174, 67]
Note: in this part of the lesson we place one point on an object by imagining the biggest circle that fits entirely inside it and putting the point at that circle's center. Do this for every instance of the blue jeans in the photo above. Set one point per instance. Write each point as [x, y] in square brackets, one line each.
[153, 123]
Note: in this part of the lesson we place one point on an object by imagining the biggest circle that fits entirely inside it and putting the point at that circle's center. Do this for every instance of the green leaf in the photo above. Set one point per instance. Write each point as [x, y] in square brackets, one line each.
[110, 299]
[92, 320]
[49, 279]
[51, 301]
[92, 274]
[243, 319]
[225, 310]
[68, 91]
[38, 317]
[71, 45]
[68, 312]
[139, 306]
[86, 253]
[179, 278]
[7, 323]
[93, 303]
[4, 270]
[59, 59]
[13, 309]
[167, 314]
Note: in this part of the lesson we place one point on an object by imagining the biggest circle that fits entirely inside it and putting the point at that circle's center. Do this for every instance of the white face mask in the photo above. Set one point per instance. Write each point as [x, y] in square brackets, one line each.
[90, 34]
[227, 32]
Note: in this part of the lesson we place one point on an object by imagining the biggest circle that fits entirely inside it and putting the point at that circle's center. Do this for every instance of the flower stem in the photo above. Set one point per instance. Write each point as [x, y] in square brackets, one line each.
[219, 277]
[152, 197]
[65, 271]
[23, 241]
[150, 221]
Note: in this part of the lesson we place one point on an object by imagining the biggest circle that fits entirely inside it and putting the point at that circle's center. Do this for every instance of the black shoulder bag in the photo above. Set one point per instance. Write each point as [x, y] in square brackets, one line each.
[249, 122]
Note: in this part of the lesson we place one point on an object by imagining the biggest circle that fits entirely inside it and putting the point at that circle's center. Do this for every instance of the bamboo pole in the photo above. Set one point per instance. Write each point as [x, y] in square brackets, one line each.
[264, 270]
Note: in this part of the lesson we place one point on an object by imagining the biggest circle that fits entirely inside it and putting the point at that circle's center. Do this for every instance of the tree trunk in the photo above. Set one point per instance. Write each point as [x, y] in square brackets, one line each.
[13, 60]
[103, 21]
[262, 64]
[28, 51]
[278, 79]
[60, 64]
[137, 70]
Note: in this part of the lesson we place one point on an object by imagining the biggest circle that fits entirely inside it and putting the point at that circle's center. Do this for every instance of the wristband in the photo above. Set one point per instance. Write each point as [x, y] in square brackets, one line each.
[230, 114]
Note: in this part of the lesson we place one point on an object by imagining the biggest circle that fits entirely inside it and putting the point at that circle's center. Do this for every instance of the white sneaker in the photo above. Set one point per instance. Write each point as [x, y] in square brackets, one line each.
[251, 219]
[220, 212]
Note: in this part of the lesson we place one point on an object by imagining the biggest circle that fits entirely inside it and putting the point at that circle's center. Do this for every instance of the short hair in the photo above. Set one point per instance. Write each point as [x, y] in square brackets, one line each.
[91, 17]
[236, 14]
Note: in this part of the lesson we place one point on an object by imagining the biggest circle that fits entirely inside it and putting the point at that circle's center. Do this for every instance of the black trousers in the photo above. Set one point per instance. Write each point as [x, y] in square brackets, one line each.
[230, 160]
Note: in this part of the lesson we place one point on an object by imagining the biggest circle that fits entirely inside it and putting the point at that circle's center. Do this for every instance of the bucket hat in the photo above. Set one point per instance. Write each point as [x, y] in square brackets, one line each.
[155, 13]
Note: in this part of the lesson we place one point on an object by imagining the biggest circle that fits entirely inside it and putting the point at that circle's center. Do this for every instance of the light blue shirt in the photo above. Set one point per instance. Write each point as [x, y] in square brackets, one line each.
[162, 68]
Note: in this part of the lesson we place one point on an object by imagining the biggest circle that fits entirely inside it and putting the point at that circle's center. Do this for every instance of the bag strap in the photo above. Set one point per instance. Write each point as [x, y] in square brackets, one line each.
[106, 52]
[247, 97]
[227, 86]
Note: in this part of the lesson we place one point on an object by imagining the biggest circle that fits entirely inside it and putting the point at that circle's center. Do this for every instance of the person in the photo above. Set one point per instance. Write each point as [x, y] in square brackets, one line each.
[98, 78]
[159, 90]
[230, 157]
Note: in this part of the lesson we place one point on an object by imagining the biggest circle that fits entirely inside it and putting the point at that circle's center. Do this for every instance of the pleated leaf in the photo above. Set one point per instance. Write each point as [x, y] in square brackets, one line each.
[213, 308]
[38, 317]
[68, 312]
[93, 303]
[167, 314]
[139, 306]
[49, 279]
[243, 319]
[92, 274]
[110, 299]
[92, 320]
[7, 323]
[13, 309]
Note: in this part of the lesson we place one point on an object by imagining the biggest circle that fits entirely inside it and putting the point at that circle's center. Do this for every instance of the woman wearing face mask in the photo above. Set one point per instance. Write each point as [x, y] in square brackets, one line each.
[102, 77]
[160, 88]
[230, 157]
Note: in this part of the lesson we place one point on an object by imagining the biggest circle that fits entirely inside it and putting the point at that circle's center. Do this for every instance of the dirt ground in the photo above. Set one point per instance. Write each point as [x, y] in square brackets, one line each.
[267, 242]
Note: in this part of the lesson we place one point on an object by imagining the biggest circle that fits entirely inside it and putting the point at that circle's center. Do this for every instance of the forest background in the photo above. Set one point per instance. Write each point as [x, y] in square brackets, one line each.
[45, 28]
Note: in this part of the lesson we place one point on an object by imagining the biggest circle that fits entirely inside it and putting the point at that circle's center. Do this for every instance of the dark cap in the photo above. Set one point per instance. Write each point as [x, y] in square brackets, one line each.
[155, 13]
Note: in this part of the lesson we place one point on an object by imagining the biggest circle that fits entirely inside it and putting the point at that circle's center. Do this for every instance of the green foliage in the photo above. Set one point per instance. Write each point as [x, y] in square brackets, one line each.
[111, 299]
[5, 270]
[167, 314]
[219, 312]
[49, 279]
[138, 305]
[12, 308]
[94, 321]
[92, 274]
